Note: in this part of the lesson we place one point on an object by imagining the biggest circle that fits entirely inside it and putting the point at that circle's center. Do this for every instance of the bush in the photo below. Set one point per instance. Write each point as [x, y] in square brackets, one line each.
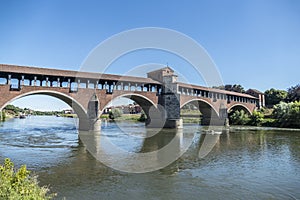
[19, 184]
[239, 117]
[269, 122]
[115, 113]
[287, 114]
[256, 118]
[142, 117]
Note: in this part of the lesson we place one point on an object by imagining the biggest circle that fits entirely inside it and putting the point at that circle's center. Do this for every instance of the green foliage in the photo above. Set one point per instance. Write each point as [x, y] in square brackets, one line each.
[115, 113]
[287, 114]
[143, 117]
[269, 122]
[274, 96]
[293, 93]
[16, 111]
[235, 88]
[104, 116]
[256, 119]
[239, 117]
[221, 87]
[19, 184]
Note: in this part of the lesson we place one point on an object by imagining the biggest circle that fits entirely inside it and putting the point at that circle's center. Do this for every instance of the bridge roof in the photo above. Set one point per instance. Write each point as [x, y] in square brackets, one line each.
[186, 85]
[45, 72]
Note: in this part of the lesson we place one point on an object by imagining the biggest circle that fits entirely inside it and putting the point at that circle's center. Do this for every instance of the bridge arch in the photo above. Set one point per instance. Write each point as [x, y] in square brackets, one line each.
[143, 101]
[207, 110]
[239, 107]
[77, 107]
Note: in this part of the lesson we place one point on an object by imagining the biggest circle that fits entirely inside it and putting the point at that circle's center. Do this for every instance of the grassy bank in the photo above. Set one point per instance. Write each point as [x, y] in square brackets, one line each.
[69, 115]
[127, 117]
[189, 120]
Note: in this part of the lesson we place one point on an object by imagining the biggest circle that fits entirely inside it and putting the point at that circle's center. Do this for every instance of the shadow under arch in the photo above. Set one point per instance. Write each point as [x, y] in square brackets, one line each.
[77, 107]
[209, 114]
[239, 107]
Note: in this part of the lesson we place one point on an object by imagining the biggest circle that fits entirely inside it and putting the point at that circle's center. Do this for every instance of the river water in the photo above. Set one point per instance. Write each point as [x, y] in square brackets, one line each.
[238, 164]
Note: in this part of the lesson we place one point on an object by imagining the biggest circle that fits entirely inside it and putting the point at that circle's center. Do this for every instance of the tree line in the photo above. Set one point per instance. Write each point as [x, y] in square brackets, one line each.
[11, 110]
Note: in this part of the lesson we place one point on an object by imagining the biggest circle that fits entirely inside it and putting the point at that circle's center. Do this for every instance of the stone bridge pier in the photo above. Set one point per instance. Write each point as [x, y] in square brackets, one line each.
[92, 121]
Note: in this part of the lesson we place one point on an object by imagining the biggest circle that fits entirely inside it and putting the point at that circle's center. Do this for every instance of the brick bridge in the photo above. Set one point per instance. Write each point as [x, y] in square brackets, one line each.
[160, 94]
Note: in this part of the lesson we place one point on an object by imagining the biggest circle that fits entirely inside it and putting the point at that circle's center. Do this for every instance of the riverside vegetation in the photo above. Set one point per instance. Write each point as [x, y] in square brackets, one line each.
[116, 114]
[282, 110]
[20, 184]
[284, 115]
[11, 111]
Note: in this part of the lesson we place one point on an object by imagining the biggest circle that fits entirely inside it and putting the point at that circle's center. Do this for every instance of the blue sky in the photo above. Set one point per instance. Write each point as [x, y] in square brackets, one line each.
[253, 43]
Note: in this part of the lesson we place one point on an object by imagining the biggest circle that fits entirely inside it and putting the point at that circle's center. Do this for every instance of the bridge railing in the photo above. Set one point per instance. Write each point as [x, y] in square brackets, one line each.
[215, 96]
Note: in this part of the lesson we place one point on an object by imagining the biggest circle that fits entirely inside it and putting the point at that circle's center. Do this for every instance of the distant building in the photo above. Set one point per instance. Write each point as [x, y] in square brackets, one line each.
[126, 109]
[258, 94]
[68, 111]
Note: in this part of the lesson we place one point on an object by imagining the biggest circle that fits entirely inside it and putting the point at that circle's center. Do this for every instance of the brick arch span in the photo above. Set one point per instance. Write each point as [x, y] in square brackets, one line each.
[73, 103]
[208, 111]
[239, 107]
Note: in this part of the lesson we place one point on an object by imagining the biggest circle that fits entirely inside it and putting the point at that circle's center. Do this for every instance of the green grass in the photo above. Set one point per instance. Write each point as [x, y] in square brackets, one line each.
[104, 116]
[189, 112]
[191, 120]
[129, 117]
[190, 116]
[69, 115]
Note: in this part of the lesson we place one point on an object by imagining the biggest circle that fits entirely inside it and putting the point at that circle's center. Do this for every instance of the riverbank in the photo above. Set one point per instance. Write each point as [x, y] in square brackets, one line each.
[123, 117]
[11, 111]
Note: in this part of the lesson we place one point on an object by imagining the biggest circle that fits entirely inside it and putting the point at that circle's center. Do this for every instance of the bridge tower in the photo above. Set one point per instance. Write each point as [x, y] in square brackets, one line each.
[168, 98]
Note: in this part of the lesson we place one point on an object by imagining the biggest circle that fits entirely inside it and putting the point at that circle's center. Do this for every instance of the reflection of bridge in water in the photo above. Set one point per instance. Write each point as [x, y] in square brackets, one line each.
[160, 95]
[157, 149]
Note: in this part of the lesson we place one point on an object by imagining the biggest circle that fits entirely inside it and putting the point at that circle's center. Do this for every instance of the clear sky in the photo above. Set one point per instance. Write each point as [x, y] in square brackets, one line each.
[253, 43]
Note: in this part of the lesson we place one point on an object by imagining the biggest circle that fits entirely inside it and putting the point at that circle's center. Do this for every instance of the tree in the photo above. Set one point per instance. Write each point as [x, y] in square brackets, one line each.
[239, 117]
[287, 114]
[293, 93]
[14, 109]
[221, 87]
[143, 117]
[235, 88]
[114, 113]
[274, 96]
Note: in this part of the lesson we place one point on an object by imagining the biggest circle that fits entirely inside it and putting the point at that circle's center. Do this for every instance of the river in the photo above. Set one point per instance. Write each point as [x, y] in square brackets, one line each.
[238, 164]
